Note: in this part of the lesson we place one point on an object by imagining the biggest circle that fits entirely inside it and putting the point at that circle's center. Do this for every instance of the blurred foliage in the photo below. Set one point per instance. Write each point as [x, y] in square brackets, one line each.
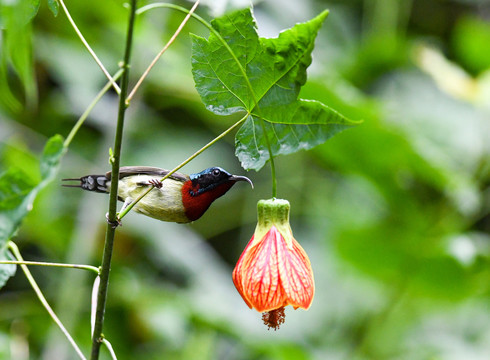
[393, 213]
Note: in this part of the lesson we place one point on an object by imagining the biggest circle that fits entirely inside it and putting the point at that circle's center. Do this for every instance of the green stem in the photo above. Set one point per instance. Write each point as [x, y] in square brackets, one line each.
[87, 111]
[159, 55]
[15, 251]
[271, 158]
[108, 345]
[242, 70]
[87, 46]
[110, 230]
[186, 161]
[61, 265]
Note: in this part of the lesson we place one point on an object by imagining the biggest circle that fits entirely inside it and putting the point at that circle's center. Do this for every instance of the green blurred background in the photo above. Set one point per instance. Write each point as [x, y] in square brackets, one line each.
[394, 213]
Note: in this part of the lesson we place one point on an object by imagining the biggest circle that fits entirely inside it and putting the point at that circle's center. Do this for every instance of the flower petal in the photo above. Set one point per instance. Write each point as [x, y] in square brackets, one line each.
[237, 274]
[298, 281]
[270, 275]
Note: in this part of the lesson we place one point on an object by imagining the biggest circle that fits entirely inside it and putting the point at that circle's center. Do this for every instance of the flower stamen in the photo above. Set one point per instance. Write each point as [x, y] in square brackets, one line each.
[274, 318]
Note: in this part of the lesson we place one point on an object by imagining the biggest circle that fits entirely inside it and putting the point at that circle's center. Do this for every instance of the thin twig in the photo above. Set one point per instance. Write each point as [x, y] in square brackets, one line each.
[87, 111]
[85, 43]
[93, 304]
[42, 299]
[108, 345]
[167, 45]
[186, 161]
[61, 265]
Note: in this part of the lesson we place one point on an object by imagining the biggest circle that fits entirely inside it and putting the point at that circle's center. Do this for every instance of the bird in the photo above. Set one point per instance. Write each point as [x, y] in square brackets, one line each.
[180, 198]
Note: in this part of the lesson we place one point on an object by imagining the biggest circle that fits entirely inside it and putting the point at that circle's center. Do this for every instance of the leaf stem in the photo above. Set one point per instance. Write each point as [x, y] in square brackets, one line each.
[110, 230]
[87, 111]
[271, 156]
[87, 46]
[49, 264]
[186, 161]
[167, 45]
[15, 251]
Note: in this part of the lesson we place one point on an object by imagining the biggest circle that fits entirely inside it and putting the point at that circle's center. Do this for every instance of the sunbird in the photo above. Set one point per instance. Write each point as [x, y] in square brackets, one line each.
[180, 198]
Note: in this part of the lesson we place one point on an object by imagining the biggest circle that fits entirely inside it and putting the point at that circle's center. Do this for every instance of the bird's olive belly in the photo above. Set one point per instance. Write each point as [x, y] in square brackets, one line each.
[163, 204]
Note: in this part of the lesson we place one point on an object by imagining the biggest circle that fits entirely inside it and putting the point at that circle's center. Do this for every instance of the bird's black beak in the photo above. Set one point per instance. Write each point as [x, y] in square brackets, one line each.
[241, 178]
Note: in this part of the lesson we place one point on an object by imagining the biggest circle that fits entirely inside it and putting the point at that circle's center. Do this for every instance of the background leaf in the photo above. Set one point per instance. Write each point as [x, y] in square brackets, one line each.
[275, 71]
[17, 195]
[16, 54]
[54, 6]
[53, 151]
[6, 270]
[14, 190]
[469, 39]
[15, 13]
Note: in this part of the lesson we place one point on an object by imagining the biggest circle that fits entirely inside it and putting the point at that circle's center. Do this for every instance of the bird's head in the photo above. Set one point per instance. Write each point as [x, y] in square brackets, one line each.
[203, 188]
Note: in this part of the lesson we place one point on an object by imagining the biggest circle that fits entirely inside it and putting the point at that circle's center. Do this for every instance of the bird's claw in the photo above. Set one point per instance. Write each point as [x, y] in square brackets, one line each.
[156, 183]
[114, 224]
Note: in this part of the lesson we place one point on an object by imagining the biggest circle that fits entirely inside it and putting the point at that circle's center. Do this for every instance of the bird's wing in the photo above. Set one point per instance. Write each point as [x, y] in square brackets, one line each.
[148, 170]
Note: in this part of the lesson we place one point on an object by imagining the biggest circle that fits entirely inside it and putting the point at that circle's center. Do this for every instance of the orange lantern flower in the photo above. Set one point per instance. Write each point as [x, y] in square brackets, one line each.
[274, 270]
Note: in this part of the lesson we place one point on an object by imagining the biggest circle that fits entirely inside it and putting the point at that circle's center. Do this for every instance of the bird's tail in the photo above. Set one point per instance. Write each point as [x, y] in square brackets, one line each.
[97, 183]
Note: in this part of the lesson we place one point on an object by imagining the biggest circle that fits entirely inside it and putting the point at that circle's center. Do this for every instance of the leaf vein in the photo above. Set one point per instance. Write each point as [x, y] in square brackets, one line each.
[221, 81]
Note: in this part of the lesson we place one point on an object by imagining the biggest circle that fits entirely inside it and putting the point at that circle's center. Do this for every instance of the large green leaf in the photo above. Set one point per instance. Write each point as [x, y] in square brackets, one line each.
[235, 70]
[217, 73]
[17, 195]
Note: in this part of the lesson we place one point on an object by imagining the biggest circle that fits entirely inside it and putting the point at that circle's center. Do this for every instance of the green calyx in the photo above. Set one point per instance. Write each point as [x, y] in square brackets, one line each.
[273, 212]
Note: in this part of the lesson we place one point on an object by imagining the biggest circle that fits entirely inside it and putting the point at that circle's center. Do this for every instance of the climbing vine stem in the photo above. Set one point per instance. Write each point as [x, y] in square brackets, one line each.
[97, 338]
[49, 264]
[89, 109]
[167, 45]
[89, 49]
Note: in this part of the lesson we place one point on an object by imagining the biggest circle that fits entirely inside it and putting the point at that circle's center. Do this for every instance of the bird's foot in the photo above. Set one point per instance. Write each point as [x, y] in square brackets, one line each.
[114, 224]
[156, 183]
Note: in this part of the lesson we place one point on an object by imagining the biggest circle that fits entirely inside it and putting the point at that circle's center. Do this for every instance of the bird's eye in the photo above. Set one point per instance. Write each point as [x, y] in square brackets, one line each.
[216, 172]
